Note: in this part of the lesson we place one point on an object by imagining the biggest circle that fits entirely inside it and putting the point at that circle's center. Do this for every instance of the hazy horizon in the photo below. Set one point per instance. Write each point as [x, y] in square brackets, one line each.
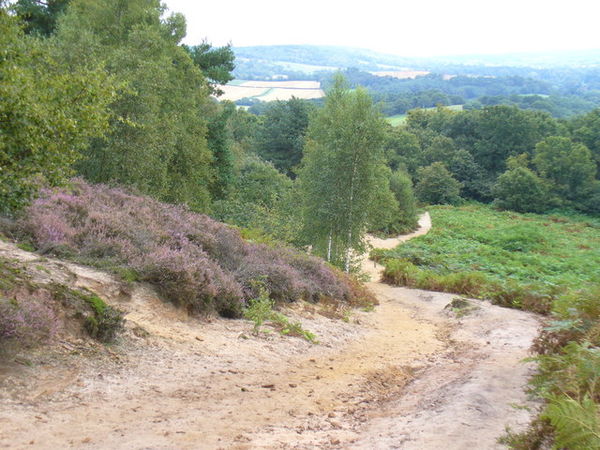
[427, 29]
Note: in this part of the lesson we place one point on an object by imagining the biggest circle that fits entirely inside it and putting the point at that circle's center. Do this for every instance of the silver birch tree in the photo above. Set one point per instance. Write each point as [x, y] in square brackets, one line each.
[339, 177]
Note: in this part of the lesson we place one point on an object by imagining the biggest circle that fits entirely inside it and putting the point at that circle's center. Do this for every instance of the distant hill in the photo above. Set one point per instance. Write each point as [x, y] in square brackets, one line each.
[306, 61]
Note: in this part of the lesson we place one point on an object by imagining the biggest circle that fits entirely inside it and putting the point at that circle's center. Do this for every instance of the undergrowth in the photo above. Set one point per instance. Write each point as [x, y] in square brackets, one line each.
[523, 261]
[100, 320]
[260, 311]
[35, 313]
[196, 262]
[567, 378]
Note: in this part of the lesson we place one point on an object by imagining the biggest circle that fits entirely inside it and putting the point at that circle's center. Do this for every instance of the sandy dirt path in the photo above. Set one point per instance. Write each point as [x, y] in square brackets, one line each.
[407, 375]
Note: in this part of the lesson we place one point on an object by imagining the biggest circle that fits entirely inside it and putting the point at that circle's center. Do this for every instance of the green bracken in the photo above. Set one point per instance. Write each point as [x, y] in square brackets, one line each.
[518, 260]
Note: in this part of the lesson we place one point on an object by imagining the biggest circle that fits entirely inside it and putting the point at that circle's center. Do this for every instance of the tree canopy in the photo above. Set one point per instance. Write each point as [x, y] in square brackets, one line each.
[47, 114]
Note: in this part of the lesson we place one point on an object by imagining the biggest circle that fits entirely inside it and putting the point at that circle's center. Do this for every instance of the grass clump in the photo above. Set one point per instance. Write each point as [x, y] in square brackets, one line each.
[522, 261]
[105, 322]
[260, 311]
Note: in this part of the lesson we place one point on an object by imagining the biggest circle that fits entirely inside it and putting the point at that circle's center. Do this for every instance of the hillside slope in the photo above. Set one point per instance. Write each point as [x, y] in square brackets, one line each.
[409, 374]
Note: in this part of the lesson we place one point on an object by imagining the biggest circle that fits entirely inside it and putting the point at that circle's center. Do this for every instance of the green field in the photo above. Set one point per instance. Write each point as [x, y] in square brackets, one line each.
[519, 260]
[400, 119]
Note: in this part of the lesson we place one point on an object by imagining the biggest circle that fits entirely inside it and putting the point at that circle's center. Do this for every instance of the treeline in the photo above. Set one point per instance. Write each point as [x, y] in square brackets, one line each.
[561, 97]
[559, 106]
[104, 89]
[521, 160]
[124, 102]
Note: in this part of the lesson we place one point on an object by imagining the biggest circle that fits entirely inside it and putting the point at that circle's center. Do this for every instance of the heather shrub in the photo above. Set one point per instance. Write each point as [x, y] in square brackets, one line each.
[27, 318]
[195, 261]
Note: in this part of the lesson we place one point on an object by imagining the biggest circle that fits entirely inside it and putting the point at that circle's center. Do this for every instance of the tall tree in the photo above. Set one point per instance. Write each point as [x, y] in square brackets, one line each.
[505, 131]
[340, 173]
[157, 140]
[520, 189]
[281, 138]
[568, 165]
[220, 143]
[586, 129]
[47, 114]
[437, 186]
[216, 63]
[40, 17]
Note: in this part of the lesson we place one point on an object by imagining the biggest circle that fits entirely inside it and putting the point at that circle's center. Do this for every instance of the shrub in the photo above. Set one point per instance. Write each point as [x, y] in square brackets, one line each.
[260, 311]
[196, 262]
[105, 322]
[436, 186]
[406, 219]
[100, 320]
[27, 318]
[520, 190]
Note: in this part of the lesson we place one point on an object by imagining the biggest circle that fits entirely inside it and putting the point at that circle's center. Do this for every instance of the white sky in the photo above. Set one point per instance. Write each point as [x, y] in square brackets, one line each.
[402, 27]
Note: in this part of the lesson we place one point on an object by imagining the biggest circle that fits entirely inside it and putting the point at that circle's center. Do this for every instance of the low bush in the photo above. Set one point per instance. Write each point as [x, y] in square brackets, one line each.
[101, 321]
[196, 262]
[402, 272]
[27, 319]
[32, 313]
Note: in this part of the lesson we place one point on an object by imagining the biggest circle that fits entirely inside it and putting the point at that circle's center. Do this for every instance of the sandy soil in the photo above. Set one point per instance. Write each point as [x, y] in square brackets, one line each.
[409, 374]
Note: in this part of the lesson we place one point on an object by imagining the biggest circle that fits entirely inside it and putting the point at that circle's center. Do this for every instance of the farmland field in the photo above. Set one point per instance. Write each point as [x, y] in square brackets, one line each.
[400, 119]
[271, 90]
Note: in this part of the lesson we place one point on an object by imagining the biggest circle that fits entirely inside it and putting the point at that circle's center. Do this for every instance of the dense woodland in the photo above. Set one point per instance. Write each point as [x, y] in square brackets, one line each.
[105, 90]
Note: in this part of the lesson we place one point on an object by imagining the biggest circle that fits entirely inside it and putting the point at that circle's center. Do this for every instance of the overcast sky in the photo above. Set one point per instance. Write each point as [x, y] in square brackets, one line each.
[402, 27]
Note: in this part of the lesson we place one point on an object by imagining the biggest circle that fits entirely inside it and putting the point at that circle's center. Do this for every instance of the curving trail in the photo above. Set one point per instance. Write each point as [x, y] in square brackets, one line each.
[408, 375]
